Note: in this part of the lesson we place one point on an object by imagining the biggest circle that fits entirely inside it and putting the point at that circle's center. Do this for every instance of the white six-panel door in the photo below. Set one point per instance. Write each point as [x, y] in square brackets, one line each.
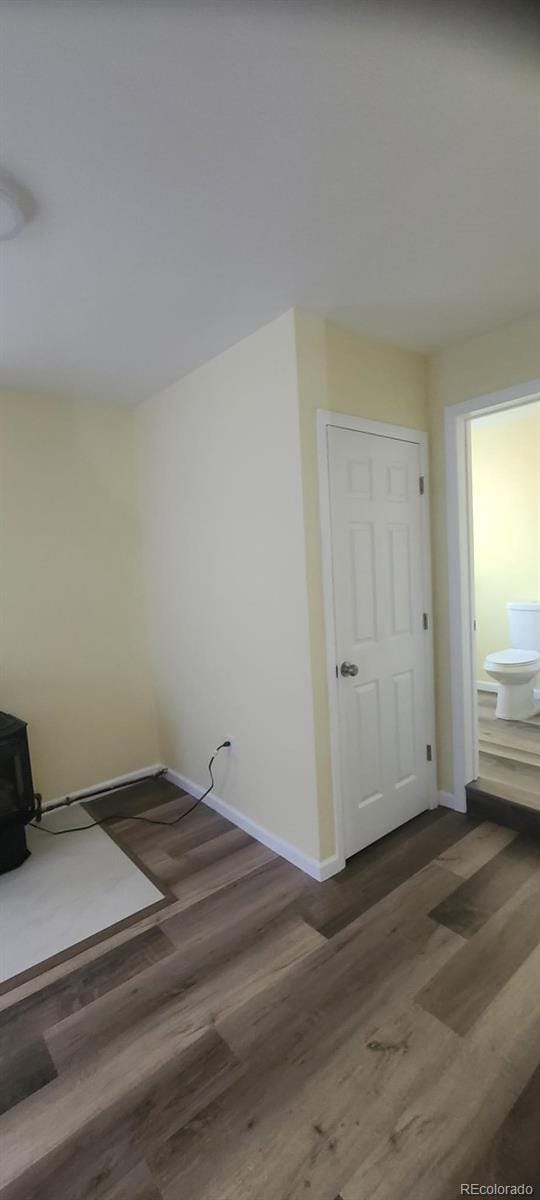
[377, 547]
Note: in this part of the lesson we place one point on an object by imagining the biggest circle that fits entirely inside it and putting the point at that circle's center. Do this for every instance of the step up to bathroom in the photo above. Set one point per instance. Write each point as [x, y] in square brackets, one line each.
[508, 786]
[506, 803]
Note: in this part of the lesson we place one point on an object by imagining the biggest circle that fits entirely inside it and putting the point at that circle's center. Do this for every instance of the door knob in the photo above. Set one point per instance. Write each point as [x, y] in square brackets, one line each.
[348, 668]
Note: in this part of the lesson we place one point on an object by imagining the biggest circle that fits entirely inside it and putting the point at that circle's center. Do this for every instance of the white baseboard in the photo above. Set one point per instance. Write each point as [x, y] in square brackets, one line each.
[484, 686]
[448, 800]
[319, 870]
[106, 785]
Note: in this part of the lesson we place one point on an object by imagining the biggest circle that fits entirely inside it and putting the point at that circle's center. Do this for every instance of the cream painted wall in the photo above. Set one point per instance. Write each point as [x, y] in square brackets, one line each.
[73, 655]
[505, 452]
[225, 561]
[345, 372]
[479, 366]
[234, 588]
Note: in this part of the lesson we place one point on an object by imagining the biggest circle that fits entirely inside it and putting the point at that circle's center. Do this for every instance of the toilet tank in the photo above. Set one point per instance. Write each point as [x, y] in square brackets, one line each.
[524, 622]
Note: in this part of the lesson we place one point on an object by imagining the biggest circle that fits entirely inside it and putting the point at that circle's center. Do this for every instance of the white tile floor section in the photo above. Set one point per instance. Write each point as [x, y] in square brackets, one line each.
[70, 888]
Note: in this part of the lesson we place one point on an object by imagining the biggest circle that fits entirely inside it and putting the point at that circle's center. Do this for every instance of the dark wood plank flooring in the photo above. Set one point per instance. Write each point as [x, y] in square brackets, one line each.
[266, 1037]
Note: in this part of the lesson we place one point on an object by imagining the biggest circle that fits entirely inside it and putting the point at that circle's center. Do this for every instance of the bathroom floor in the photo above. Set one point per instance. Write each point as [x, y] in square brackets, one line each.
[509, 753]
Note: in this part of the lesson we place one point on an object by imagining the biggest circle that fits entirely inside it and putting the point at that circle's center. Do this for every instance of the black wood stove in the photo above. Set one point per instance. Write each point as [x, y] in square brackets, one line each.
[18, 803]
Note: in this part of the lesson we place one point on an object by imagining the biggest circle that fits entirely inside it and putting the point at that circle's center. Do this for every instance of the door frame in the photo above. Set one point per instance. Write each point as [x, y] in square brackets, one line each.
[325, 419]
[457, 419]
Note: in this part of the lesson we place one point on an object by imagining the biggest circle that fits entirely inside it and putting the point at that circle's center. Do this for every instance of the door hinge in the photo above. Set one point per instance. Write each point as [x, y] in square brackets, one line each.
[425, 621]
[421, 485]
[428, 753]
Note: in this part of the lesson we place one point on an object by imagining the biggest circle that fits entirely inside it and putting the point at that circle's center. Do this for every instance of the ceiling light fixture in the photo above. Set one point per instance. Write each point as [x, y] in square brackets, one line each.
[12, 217]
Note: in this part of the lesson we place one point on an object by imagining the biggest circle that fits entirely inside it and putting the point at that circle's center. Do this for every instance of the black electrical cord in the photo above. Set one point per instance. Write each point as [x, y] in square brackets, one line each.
[127, 817]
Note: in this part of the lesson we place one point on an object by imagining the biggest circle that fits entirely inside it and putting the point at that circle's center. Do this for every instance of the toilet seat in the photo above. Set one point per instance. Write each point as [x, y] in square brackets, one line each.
[511, 660]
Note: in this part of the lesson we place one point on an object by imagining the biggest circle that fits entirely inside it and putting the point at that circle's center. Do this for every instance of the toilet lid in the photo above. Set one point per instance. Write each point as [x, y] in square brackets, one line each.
[513, 657]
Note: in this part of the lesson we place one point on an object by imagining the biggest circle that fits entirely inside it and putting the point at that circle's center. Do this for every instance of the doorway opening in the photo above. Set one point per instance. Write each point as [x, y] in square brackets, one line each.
[493, 497]
[505, 491]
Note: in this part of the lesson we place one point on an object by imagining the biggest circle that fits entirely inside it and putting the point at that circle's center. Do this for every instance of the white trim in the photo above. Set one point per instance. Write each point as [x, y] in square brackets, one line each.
[325, 418]
[457, 418]
[107, 784]
[311, 866]
[448, 800]
[427, 590]
[330, 638]
[402, 433]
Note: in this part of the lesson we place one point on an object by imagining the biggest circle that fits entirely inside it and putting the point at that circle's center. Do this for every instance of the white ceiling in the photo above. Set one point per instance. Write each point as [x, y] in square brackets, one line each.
[197, 169]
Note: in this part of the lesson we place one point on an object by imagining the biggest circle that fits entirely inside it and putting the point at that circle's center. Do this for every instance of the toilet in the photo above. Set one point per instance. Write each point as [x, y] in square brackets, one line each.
[515, 670]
